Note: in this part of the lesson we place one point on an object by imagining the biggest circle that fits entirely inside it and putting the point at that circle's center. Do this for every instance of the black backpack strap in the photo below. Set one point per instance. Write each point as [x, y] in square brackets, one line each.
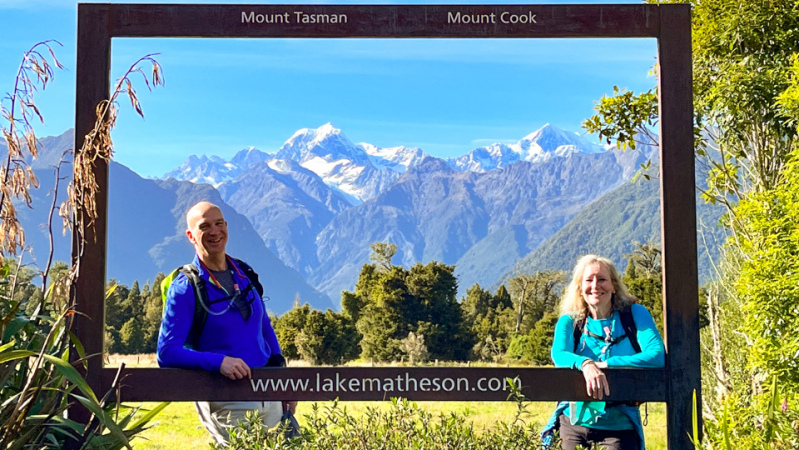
[612, 341]
[631, 330]
[577, 332]
[628, 323]
[200, 305]
[252, 275]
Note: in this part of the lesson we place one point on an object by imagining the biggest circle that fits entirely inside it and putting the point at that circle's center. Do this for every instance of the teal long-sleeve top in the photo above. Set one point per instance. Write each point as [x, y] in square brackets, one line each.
[620, 354]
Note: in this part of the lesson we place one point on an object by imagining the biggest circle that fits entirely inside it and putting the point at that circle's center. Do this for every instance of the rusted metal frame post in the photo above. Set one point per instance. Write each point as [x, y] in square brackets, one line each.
[678, 218]
[93, 65]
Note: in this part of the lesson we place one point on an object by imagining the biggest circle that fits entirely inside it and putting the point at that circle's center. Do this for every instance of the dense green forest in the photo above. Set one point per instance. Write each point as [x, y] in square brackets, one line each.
[395, 314]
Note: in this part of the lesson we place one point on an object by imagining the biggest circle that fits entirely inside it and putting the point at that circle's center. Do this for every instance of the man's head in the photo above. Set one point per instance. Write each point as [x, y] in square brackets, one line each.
[206, 229]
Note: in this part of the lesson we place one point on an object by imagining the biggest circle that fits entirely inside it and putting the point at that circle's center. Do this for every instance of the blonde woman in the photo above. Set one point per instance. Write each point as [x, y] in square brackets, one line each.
[601, 326]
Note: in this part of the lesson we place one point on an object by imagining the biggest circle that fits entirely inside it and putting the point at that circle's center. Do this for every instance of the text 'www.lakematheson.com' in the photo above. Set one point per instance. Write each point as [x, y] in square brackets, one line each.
[400, 383]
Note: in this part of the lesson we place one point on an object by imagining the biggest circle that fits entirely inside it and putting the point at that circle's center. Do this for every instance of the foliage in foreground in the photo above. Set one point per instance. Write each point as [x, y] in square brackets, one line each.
[38, 383]
[773, 426]
[403, 426]
[40, 356]
[751, 409]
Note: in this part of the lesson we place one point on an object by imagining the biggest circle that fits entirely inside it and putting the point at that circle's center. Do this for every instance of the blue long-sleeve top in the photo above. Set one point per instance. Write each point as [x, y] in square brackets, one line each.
[225, 333]
[620, 354]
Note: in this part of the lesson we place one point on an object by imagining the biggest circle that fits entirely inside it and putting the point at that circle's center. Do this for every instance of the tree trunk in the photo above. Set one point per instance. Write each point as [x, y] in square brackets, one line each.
[722, 387]
[520, 314]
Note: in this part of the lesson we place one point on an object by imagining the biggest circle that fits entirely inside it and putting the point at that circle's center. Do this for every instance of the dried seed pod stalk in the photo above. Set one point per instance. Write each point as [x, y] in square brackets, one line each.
[80, 209]
[16, 176]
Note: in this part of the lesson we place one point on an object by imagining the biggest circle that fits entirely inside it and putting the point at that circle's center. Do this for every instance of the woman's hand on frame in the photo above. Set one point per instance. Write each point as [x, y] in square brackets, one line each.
[596, 383]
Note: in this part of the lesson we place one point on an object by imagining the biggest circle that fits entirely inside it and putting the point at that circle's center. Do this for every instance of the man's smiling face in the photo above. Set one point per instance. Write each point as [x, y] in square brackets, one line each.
[207, 230]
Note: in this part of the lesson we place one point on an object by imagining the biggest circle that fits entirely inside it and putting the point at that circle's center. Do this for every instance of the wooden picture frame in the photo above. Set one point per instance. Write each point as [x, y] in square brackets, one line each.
[670, 24]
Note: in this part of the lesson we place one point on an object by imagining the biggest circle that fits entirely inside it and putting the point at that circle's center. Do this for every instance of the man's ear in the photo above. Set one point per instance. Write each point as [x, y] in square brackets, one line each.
[189, 235]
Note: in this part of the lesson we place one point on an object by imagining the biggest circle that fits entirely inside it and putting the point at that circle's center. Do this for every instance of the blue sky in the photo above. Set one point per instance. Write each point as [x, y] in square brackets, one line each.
[446, 96]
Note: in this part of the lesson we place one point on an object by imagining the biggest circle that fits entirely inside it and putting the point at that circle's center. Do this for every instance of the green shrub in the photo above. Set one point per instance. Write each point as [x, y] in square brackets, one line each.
[403, 426]
[520, 348]
[767, 423]
[535, 346]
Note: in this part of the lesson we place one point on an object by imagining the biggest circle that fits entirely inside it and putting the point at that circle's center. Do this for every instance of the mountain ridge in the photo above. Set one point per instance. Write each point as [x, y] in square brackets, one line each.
[361, 171]
[483, 222]
[434, 212]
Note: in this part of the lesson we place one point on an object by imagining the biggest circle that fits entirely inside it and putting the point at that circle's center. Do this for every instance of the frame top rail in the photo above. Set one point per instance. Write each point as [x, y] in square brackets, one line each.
[382, 21]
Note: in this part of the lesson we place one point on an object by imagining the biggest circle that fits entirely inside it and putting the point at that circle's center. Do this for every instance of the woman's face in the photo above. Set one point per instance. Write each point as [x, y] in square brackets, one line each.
[597, 288]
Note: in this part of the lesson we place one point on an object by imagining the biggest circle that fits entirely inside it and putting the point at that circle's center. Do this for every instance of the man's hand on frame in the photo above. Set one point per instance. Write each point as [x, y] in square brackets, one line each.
[235, 368]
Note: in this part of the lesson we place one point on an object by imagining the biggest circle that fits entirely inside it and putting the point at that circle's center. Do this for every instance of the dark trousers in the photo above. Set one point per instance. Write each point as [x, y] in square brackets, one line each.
[573, 435]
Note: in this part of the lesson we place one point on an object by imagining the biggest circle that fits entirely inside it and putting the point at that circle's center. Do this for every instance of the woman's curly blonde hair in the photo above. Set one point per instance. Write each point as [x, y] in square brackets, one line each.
[573, 303]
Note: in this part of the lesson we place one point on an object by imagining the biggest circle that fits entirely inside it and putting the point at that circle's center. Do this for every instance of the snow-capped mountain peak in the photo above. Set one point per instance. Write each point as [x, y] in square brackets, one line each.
[548, 133]
[398, 159]
[326, 130]
[202, 169]
[360, 171]
[484, 159]
[364, 170]
[280, 165]
[325, 142]
[308, 137]
[541, 145]
[551, 141]
[246, 157]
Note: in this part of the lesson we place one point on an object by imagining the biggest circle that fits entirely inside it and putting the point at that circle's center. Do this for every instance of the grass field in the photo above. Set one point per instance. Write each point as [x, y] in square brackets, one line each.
[177, 426]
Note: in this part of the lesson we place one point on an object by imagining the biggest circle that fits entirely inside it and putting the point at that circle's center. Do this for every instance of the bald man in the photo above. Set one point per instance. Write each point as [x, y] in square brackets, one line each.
[237, 334]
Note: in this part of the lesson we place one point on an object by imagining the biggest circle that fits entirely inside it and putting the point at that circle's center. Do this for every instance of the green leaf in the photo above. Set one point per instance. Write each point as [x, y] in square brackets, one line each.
[14, 327]
[107, 422]
[15, 354]
[78, 345]
[695, 420]
[105, 442]
[72, 375]
[12, 312]
[146, 418]
[6, 346]
[23, 439]
[67, 424]
[772, 407]
[110, 291]
[725, 427]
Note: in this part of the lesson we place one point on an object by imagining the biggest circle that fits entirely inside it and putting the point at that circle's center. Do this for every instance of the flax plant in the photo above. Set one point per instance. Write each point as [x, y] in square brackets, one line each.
[38, 381]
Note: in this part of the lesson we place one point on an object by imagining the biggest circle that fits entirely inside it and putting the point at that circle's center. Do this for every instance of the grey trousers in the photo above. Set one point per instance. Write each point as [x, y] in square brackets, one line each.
[218, 417]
